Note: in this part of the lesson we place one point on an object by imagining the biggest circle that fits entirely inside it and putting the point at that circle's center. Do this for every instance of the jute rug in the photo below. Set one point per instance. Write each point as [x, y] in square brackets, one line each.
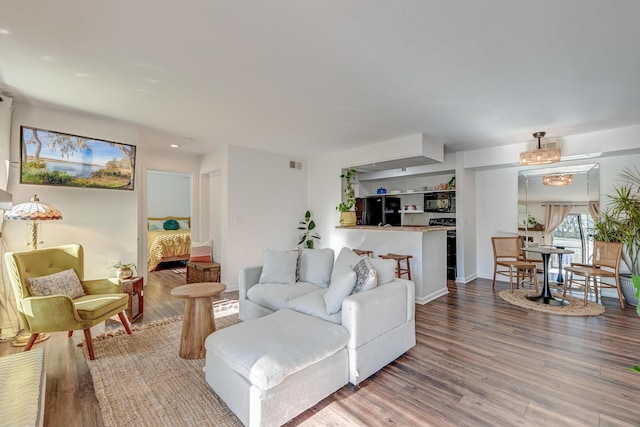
[576, 306]
[140, 380]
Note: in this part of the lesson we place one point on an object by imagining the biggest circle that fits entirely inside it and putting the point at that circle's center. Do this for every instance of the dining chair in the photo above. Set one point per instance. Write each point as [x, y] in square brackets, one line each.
[508, 261]
[605, 264]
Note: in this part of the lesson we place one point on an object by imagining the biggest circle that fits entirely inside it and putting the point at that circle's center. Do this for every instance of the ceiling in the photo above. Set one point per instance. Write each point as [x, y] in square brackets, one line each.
[305, 77]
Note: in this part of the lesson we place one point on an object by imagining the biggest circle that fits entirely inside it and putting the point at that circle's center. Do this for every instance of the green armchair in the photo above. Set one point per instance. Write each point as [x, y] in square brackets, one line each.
[56, 313]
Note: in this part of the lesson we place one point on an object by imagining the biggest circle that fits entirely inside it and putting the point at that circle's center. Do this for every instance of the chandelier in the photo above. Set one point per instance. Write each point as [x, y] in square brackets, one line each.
[540, 156]
[558, 179]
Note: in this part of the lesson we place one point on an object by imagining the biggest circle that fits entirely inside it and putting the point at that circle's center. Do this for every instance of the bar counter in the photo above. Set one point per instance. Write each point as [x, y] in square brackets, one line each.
[427, 245]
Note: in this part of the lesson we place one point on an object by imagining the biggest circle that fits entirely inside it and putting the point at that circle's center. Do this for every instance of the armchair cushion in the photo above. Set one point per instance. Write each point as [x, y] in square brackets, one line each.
[96, 306]
[65, 282]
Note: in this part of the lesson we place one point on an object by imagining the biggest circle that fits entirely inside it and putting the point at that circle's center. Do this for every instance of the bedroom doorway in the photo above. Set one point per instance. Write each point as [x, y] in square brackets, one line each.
[169, 202]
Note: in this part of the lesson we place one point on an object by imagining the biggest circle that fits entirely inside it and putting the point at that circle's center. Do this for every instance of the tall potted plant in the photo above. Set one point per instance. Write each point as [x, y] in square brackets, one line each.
[620, 222]
[307, 226]
[346, 207]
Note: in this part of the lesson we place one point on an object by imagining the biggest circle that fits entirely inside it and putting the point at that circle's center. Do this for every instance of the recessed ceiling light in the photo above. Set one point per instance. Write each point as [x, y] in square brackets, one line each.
[48, 58]
[81, 74]
[153, 81]
[4, 32]
[174, 146]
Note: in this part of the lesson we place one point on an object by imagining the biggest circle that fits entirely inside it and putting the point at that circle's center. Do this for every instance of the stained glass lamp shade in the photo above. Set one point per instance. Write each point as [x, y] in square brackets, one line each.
[34, 211]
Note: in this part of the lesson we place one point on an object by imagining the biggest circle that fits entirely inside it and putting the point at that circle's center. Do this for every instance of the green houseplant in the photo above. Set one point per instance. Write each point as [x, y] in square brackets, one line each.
[307, 226]
[346, 207]
[620, 222]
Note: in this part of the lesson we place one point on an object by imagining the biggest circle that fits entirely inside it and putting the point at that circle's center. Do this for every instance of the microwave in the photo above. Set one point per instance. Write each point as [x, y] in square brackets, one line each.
[444, 201]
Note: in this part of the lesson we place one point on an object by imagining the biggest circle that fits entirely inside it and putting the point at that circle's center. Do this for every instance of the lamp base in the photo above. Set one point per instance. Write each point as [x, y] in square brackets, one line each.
[22, 338]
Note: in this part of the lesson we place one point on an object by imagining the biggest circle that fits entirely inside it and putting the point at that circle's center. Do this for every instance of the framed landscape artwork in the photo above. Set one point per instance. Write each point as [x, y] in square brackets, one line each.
[55, 158]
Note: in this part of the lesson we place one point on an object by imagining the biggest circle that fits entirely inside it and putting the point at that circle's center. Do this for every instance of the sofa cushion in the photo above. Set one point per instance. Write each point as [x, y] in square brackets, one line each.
[275, 296]
[347, 259]
[340, 288]
[279, 267]
[61, 283]
[313, 304]
[315, 266]
[366, 276]
[385, 269]
[261, 352]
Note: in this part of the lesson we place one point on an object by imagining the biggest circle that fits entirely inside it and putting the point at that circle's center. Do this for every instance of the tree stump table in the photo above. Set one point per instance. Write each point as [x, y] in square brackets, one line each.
[198, 321]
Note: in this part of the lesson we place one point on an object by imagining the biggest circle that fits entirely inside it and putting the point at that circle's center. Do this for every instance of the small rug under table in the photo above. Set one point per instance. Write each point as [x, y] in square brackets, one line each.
[576, 306]
[140, 380]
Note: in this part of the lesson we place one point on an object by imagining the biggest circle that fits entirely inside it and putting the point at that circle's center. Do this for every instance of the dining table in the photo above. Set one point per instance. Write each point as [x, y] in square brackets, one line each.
[546, 297]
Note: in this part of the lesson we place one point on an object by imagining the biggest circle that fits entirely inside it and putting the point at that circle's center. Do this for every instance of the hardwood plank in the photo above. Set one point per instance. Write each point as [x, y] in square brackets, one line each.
[478, 361]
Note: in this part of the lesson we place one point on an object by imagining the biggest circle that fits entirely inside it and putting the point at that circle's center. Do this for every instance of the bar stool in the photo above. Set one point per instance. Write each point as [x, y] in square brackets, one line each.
[363, 252]
[399, 258]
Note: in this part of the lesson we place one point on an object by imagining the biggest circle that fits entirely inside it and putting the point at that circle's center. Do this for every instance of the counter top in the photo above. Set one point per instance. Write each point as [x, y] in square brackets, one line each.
[416, 228]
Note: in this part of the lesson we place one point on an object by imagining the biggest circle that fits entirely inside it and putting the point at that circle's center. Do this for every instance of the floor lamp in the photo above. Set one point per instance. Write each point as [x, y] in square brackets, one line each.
[32, 211]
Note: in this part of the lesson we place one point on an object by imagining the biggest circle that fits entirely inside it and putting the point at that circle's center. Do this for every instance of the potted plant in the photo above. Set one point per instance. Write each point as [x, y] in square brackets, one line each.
[124, 270]
[307, 226]
[620, 222]
[346, 207]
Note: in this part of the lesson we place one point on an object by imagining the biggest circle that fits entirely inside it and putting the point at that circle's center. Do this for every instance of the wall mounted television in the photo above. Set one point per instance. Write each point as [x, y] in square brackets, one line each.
[62, 159]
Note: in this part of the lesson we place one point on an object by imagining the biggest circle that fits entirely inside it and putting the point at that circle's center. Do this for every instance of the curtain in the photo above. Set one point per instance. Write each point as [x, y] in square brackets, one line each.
[594, 211]
[554, 216]
[9, 318]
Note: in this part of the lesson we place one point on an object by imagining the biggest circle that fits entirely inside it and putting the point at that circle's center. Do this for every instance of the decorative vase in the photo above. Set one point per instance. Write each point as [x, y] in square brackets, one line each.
[628, 289]
[348, 219]
[124, 273]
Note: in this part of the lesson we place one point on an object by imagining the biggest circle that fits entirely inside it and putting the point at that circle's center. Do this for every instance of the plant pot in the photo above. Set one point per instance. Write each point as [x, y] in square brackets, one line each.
[348, 219]
[629, 291]
[124, 273]
[636, 283]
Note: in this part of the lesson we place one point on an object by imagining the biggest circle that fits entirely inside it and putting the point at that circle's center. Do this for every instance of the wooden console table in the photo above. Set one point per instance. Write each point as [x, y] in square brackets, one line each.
[134, 286]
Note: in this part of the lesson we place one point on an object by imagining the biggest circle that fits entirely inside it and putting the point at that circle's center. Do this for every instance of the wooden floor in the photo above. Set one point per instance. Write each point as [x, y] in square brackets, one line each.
[478, 362]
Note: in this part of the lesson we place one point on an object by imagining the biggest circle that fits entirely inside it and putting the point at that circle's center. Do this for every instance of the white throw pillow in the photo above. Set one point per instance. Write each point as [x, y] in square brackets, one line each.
[316, 266]
[366, 276]
[183, 224]
[385, 268]
[340, 288]
[347, 259]
[156, 225]
[279, 267]
[62, 283]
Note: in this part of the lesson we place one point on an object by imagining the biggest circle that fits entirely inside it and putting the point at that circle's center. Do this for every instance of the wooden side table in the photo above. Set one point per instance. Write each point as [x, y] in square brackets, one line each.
[198, 321]
[198, 272]
[134, 286]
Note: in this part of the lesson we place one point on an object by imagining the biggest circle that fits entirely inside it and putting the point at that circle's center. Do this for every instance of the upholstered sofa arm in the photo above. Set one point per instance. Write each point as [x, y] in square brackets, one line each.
[248, 277]
[368, 315]
[49, 313]
[102, 286]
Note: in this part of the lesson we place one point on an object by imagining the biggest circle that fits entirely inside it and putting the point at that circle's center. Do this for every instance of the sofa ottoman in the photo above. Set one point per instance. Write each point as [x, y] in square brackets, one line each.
[270, 369]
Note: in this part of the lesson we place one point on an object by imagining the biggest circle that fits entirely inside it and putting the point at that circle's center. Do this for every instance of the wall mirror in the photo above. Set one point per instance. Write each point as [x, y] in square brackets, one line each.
[556, 206]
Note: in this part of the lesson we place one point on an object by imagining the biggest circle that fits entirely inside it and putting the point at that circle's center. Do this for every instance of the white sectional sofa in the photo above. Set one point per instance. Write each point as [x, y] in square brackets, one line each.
[294, 308]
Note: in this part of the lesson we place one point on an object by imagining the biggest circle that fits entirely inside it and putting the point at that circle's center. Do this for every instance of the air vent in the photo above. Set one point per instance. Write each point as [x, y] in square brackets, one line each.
[295, 165]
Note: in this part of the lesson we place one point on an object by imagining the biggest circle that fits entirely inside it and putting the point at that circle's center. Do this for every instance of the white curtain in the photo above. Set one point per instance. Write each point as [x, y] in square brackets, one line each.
[554, 216]
[9, 318]
[594, 211]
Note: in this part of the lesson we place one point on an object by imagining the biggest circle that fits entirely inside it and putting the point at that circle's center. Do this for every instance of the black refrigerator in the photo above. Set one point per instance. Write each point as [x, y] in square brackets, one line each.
[380, 210]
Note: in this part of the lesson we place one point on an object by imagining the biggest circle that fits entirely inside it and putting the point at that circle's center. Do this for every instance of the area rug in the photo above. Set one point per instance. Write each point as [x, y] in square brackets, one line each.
[140, 380]
[576, 306]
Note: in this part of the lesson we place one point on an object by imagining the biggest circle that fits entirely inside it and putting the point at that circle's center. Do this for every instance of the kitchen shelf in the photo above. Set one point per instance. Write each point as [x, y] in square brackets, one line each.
[405, 193]
[410, 211]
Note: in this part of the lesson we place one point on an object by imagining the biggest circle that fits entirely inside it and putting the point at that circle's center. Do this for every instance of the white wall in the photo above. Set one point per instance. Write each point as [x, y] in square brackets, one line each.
[267, 200]
[103, 221]
[168, 194]
[214, 172]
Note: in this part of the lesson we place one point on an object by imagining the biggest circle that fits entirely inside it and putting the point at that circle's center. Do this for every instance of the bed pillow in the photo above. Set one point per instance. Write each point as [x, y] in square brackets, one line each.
[279, 267]
[170, 224]
[155, 225]
[62, 283]
[183, 224]
[201, 252]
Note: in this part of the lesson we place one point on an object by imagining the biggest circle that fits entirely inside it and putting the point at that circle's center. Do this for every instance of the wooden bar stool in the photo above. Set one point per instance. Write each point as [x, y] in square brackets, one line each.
[399, 269]
[363, 252]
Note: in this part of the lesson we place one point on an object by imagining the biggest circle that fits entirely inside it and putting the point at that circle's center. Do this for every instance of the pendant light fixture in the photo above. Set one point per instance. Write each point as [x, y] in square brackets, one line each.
[557, 180]
[539, 155]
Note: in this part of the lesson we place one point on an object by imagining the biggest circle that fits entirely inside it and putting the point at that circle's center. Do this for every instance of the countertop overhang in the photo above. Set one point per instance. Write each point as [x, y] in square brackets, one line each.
[413, 228]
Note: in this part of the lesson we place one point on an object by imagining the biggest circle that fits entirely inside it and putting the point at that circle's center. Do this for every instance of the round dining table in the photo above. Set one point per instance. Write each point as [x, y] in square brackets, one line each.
[546, 297]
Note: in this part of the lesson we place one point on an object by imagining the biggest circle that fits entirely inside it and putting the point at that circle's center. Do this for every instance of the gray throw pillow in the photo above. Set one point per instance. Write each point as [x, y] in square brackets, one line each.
[62, 283]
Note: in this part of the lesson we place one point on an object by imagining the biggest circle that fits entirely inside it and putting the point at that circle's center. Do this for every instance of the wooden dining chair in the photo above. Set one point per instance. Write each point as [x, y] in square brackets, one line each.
[605, 264]
[507, 261]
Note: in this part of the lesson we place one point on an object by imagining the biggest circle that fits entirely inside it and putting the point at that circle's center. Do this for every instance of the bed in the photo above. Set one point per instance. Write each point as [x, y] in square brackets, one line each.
[168, 245]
